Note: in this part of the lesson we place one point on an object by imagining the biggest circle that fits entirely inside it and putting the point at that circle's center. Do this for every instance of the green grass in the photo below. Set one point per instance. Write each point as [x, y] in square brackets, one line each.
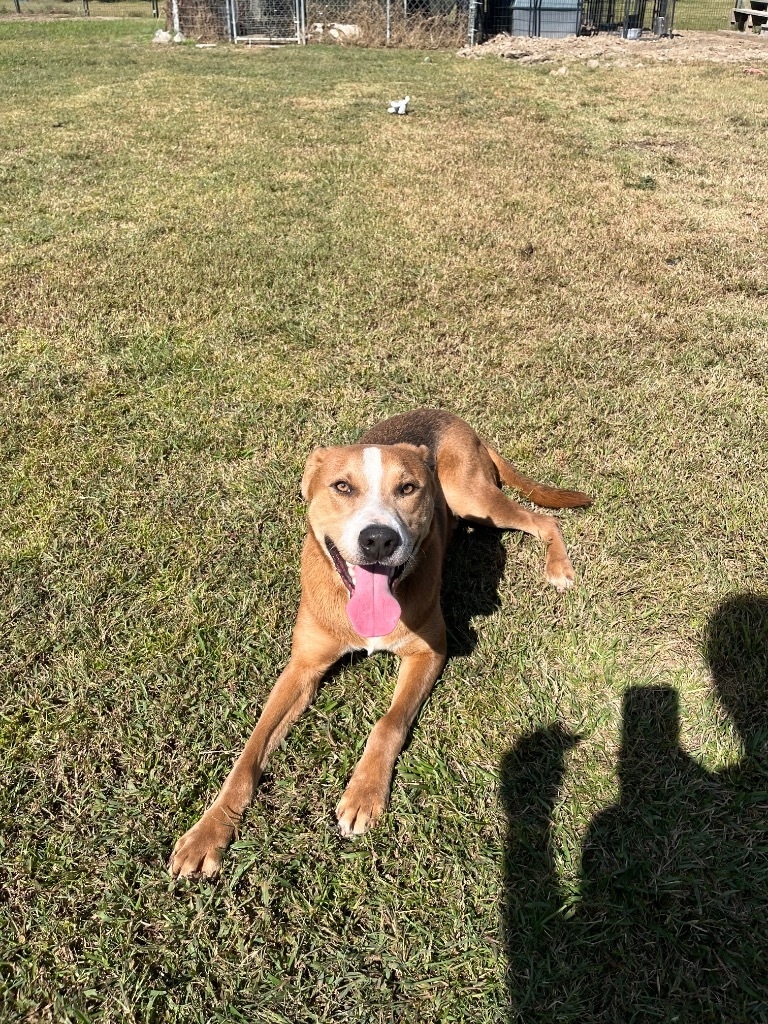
[74, 8]
[213, 261]
[704, 15]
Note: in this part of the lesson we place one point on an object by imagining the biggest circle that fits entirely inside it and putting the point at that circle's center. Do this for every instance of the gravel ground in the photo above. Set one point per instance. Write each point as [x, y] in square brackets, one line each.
[606, 51]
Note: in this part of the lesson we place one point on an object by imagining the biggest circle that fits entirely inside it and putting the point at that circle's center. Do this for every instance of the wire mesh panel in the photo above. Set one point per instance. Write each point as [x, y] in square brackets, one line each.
[552, 19]
[259, 21]
[555, 19]
[82, 8]
[656, 16]
[273, 20]
[632, 18]
[706, 15]
[602, 15]
[419, 23]
[199, 19]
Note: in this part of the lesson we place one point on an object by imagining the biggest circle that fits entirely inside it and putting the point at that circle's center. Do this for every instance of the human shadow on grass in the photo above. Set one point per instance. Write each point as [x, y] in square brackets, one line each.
[671, 922]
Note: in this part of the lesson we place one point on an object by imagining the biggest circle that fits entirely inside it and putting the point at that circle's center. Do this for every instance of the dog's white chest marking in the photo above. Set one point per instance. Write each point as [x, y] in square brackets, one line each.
[374, 644]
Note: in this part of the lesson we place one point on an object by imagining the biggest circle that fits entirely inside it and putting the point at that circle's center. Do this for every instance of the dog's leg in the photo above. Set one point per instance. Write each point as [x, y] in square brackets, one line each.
[199, 851]
[368, 791]
[485, 504]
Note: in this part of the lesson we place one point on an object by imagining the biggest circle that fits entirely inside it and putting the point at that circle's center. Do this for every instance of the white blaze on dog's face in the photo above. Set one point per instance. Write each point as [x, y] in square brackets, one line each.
[369, 508]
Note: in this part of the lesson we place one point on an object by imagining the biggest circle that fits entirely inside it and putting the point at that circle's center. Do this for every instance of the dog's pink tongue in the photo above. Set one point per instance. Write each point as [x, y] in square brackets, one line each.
[372, 609]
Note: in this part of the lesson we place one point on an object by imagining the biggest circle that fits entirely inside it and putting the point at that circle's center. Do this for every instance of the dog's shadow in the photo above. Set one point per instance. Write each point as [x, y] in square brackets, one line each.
[471, 576]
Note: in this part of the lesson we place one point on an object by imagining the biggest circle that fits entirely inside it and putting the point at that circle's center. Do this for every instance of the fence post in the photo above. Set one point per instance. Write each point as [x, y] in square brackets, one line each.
[231, 23]
[389, 19]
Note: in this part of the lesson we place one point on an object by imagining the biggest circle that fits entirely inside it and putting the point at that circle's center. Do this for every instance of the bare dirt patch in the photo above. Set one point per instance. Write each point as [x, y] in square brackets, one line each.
[607, 51]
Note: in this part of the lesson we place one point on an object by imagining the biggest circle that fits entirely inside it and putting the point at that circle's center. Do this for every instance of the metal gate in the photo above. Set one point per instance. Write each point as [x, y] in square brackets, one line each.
[558, 18]
[267, 21]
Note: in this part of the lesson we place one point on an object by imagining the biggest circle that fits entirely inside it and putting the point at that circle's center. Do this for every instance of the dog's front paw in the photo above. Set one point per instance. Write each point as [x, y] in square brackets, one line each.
[199, 852]
[559, 573]
[360, 808]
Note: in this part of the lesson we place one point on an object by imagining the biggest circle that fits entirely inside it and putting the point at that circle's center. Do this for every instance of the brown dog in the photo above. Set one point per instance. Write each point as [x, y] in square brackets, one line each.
[380, 514]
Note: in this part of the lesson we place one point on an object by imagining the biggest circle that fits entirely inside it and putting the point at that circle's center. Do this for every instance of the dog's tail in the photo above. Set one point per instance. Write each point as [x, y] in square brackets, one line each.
[539, 494]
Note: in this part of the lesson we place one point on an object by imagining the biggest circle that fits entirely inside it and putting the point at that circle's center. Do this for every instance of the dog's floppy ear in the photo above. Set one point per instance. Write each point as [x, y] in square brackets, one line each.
[314, 462]
[428, 456]
[422, 451]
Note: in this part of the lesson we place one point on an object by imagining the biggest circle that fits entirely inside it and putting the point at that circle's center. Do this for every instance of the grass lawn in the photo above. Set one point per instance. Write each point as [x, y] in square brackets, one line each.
[213, 260]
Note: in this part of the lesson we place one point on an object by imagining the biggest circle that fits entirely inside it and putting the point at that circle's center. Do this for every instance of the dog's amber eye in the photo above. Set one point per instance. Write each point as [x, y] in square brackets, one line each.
[342, 487]
[407, 489]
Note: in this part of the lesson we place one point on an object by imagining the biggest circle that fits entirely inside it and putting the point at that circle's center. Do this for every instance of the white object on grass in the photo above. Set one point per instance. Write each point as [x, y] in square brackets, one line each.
[399, 106]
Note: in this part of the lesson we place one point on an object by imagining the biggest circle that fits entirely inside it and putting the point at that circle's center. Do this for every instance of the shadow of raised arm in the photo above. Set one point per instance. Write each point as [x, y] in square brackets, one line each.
[531, 777]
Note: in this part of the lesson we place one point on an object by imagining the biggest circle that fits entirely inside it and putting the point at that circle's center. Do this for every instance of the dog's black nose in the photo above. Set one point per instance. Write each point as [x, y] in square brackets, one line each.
[378, 542]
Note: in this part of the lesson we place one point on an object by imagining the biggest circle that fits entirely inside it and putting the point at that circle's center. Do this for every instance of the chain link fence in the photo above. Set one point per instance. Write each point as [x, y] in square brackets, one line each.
[704, 15]
[84, 8]
[426, 24]
[415, 23]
